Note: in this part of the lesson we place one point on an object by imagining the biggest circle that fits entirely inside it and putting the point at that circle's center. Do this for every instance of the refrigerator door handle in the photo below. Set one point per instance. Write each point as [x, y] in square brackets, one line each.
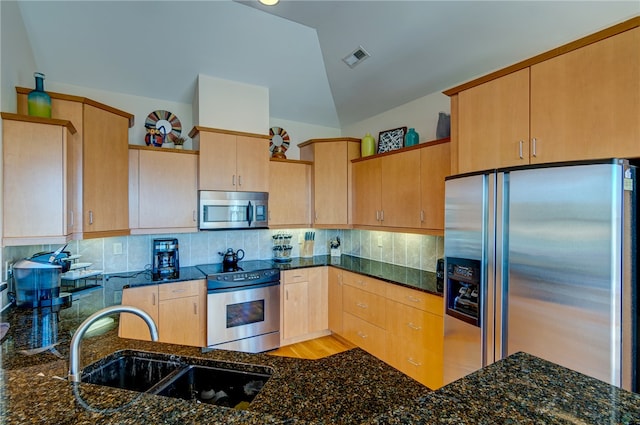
[501, 276]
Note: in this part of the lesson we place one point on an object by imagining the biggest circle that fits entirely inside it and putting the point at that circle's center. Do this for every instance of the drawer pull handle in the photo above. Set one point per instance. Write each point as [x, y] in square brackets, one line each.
[362, 305]
[413, 362]
[195, 309]
[361, 282]
[362, 335]
[177, 291]
[414, 327]
[413, 299]
[153, 299]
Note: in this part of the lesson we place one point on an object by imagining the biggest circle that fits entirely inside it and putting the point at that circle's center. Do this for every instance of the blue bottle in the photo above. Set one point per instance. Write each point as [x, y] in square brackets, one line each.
[38, 101]
[411, 138]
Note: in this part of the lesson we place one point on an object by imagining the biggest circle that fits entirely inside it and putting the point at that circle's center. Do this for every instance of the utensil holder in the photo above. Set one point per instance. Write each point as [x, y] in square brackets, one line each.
[307, 249]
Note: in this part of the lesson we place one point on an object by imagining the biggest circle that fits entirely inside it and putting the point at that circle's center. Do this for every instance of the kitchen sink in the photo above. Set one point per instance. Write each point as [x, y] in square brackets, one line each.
[134, 371]
[203, 381]
[215, 385]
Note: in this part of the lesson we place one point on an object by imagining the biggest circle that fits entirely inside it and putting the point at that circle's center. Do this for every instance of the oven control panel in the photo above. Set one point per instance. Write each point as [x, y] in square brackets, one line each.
[250, 278]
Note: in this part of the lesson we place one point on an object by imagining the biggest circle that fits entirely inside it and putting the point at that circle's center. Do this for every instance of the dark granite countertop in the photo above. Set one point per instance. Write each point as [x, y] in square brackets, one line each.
[400, 275]
[347, 388]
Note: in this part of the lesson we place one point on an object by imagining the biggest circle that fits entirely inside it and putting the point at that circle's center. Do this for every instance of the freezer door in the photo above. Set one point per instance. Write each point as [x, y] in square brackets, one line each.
[469, 203]
[563, 267]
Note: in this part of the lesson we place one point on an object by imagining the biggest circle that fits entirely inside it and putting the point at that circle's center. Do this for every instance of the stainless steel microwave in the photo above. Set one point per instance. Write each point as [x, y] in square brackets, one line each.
[232, 210]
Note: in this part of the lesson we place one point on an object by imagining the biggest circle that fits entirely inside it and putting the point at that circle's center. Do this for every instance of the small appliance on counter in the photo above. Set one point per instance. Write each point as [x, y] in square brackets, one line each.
[37, 281]
[166, 262]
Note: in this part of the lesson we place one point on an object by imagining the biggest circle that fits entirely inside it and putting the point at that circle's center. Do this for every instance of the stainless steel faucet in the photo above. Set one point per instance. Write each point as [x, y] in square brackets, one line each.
[74, 352]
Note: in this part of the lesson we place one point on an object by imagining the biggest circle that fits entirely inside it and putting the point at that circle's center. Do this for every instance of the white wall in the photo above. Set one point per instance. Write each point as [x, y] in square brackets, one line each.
[231, 105]
[421, 114]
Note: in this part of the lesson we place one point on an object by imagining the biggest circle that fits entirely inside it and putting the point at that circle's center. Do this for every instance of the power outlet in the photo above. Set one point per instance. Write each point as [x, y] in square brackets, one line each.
[117, 248]
[380, 241]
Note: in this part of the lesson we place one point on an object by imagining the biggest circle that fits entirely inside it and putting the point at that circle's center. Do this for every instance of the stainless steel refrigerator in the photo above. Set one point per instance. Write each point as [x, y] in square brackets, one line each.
[543, 260]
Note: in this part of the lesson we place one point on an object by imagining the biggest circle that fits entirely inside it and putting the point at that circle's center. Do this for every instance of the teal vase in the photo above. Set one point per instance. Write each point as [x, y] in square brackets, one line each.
[367, 145]
[38, 101]
[411, 138]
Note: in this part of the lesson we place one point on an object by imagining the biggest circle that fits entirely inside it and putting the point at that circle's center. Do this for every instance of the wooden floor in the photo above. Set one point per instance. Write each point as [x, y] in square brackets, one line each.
[315, 348]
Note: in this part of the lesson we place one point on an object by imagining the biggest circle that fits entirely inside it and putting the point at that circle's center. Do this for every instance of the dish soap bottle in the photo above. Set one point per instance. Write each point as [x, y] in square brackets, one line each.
[367, 145]
[411, 138]
[38, 101]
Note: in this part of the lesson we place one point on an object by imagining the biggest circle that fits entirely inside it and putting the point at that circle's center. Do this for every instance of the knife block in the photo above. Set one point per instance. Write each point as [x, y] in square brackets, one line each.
[307, 249]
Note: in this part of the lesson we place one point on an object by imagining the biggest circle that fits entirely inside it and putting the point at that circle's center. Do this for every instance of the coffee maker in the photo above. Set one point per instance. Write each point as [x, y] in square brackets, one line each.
[166, 264]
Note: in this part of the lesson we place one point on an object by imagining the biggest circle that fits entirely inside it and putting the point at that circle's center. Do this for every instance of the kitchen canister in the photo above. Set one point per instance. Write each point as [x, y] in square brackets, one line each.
[367, 145]
[38, 101]
[411, 138]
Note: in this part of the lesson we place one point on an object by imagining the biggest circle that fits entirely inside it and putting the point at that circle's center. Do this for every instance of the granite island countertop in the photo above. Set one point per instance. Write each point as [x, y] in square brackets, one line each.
[352, 387]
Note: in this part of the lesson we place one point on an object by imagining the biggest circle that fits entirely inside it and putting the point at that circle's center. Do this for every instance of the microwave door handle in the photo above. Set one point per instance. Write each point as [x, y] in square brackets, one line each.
[249, 213]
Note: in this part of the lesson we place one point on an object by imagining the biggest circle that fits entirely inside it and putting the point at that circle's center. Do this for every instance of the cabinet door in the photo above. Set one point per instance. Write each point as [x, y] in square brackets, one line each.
[435, 165]
[367, 198]
[585, 104]
[330, 171]
[335, 300]
[401, 189]
[167, 190]
[252, 159]
[289, 194]
[146, 299]
[217, 166]
[493, 123]
[180, 321]
[318, 303]
[36, 180]
[295, 305]
[105, 182]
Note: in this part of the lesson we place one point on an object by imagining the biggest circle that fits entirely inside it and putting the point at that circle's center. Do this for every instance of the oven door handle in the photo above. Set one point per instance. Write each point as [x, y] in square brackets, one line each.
[249, 213]
[241, 287]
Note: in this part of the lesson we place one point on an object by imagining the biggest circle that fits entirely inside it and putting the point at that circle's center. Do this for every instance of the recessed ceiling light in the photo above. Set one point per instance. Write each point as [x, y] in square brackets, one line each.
[355, 57]
[269, 2]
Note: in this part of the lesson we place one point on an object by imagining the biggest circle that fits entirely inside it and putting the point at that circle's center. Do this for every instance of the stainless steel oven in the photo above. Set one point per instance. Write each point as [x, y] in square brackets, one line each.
[232, 210]
[243, 307]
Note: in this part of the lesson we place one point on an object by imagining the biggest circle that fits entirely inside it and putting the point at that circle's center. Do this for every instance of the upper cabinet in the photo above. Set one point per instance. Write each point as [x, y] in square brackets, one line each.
[163, 187]
[577, 102]
[331, 179]
[37, 183]
[289, 193]
[402, 189]
[100, 163]
[231, 160]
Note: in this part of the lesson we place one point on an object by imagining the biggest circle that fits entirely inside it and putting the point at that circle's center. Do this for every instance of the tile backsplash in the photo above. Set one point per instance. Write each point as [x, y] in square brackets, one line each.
[133, 253]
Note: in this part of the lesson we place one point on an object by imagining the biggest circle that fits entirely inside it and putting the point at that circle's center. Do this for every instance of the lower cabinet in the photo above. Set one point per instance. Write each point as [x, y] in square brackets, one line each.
[335, 300]
[179, 310]
[304, 305]
[399, 325]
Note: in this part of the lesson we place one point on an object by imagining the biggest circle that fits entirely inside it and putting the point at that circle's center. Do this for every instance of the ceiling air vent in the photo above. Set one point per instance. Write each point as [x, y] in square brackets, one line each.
[356, 57]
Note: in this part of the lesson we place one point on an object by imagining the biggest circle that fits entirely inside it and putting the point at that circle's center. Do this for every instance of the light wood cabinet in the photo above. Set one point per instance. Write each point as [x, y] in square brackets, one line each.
[415, 329]
[289, 193]
[335, 300]
[403, 189]
[577, 102]
[163, 188]
[37, 183]
[435, 165]
[387, 190]
[331, 179]
[100, 163]
[179, 310]
[304, 301]
[231, 160]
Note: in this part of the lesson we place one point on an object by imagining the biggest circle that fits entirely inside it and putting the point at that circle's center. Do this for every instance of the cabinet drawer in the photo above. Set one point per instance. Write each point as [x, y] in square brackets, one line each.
[293, 276]
[365, 305]
[420, 364]
[170, 291]
[418, 299]
[365, 283]
[365, 335]
[415, 327]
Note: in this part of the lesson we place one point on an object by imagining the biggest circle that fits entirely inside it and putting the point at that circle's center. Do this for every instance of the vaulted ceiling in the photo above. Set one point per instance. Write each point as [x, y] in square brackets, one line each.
[157, 49]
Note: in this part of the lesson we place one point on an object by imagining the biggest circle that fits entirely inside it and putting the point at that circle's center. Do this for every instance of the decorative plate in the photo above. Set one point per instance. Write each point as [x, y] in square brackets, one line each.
[166, 123]
[279, 142]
